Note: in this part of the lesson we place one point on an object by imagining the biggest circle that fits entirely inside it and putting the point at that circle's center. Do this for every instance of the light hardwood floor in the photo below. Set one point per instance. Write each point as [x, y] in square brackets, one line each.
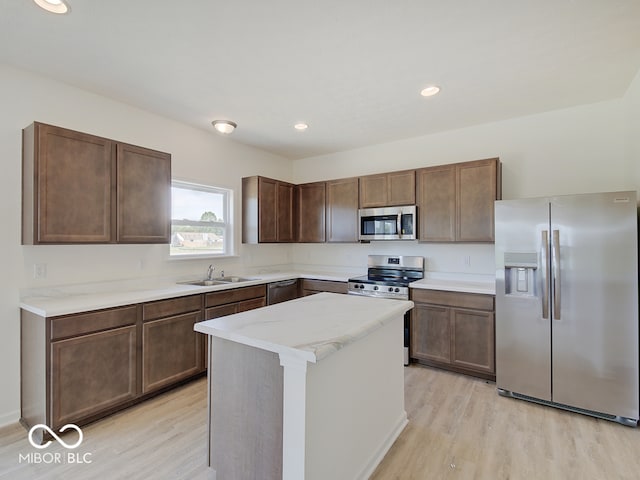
[459, 428]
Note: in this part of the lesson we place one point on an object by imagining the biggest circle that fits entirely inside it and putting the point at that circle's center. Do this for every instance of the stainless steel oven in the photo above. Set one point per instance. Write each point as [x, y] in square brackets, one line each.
[388, 223]
[389, 277]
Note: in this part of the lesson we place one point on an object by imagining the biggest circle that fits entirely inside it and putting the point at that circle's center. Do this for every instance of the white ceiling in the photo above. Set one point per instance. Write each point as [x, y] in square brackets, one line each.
[351, 69]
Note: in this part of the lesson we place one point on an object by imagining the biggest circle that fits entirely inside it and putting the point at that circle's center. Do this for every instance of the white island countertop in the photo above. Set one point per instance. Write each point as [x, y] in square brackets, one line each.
[308, 328]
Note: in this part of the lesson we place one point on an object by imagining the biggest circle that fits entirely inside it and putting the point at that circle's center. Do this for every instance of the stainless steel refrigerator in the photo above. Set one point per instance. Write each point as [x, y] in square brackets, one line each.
[567, 303]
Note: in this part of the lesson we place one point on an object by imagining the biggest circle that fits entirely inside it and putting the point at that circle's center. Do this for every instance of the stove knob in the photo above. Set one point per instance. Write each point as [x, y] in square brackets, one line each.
[397, 289]
[360, 286]
[375, 287]
[391, 289]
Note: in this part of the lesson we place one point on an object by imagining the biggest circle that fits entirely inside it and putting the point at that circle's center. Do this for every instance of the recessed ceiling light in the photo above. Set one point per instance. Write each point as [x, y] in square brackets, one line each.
[53, 6]
[430, 91]
[224, 126]
[301, 126]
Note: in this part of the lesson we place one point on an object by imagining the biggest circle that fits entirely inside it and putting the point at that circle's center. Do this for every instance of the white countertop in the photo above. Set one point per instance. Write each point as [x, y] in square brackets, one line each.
[309, 328]
[465, 283]
[51, 302]
[65, 300]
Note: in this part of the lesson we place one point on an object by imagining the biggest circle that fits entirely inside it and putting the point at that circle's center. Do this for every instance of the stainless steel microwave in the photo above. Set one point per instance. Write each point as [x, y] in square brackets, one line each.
[387, 223]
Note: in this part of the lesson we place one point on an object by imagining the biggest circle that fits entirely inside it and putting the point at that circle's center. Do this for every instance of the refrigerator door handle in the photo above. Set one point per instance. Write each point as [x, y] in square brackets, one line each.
[544, 274]
[556, 274]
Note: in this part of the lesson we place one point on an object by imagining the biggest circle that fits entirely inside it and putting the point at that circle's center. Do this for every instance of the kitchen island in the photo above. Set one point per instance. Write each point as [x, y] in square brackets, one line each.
[308, 389]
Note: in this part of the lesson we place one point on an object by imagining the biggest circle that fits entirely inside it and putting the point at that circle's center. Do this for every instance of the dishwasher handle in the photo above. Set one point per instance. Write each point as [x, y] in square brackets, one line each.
[284, 283]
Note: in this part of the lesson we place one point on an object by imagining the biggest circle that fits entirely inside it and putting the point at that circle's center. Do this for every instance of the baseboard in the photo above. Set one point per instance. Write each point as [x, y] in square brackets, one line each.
[9, 418]
[384, 447]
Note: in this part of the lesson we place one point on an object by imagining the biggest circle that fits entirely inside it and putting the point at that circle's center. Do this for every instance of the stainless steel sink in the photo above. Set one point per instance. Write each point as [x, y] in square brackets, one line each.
[204, 283]
[217, 281]
[233, 279]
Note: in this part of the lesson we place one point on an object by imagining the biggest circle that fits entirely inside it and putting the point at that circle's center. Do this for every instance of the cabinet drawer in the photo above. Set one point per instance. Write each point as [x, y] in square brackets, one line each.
[324, 286]
[221, 311]
[83, 323]
[251, 304]
[167, 308]
[236, 295]
[453, 299]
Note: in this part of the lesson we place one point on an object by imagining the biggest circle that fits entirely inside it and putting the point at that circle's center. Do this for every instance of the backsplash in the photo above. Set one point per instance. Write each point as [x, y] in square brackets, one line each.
[75, 264]
[439, 257]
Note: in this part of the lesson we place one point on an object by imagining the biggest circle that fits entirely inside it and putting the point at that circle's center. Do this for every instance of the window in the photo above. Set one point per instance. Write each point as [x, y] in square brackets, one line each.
[200, 220]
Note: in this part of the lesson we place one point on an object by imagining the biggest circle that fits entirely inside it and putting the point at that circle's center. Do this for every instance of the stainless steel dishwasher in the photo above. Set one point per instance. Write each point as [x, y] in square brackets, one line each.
[282, 291]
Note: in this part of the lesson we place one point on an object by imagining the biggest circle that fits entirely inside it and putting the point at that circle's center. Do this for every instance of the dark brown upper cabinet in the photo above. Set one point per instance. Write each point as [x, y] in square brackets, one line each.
[342, 210]
[80, 188]
[311, 212]
[268, 210]
[388, 189]
[144, 195]
[456, 202]
[286, 204]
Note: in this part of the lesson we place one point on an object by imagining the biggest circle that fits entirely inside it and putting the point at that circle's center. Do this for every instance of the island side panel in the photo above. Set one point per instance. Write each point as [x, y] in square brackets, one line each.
[245, 391]
[355, 405]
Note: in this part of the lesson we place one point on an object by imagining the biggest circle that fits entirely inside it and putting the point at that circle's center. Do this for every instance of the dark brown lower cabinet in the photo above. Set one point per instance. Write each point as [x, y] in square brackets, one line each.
[227, 302]
[92, 373]
[80, 367]
[171, 351]
[77, 368]
[431, 333]
[455, 331]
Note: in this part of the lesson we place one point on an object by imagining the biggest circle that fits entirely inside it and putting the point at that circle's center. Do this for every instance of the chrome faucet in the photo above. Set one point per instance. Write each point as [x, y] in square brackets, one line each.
[210, 272]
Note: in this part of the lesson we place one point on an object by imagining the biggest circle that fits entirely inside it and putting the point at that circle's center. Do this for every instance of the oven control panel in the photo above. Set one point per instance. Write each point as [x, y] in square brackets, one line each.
[378, 290]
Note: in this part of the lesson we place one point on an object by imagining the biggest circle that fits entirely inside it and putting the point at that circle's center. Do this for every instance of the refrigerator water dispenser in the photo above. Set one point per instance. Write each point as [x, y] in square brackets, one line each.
[520, 273]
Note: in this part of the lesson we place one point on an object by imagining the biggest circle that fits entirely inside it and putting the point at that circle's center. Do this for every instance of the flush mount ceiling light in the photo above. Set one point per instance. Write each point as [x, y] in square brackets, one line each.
[301, 126]
[224, 126]
[53, 6]
[430, 91]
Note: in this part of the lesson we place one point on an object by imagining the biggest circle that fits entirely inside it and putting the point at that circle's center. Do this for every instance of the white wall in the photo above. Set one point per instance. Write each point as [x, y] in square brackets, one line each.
[197, 155]
[567, 151]
[577, 150]
[633, 125]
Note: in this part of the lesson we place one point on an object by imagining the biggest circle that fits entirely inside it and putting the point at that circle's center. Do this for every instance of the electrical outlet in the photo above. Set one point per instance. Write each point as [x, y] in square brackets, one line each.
[40, 270]
[466, 260]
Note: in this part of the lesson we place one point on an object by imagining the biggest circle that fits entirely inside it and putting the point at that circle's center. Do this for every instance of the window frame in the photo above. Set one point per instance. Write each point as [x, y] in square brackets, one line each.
[228, 225]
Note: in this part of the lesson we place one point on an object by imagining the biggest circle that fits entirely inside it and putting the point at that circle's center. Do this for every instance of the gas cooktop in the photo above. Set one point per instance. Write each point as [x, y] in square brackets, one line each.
[388, 276]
